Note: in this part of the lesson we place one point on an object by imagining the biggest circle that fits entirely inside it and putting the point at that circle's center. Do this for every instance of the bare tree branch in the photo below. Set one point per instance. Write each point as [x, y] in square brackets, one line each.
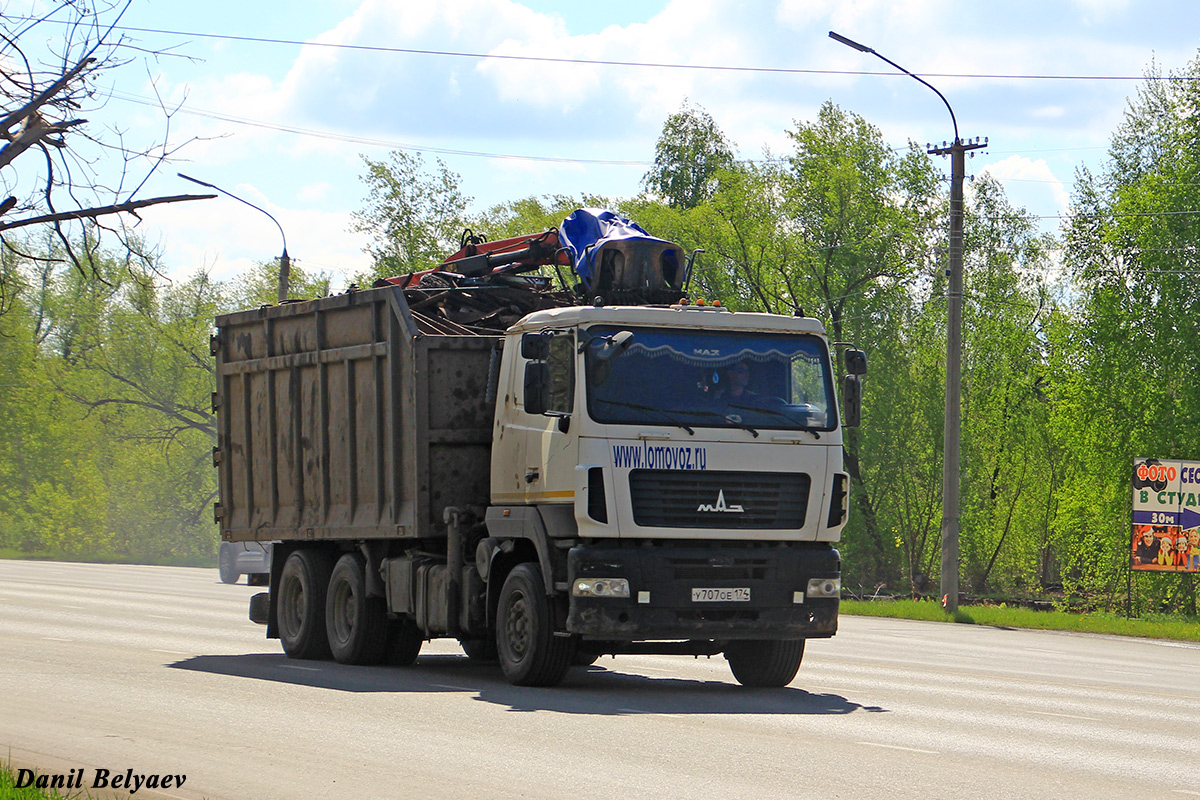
[92, 213]
[51, 93]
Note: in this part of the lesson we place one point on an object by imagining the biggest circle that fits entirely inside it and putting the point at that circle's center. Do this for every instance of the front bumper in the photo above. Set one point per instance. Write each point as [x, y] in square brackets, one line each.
[661, 580]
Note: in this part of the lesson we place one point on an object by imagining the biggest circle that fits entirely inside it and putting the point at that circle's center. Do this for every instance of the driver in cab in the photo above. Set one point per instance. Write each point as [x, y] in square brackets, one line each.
[734, 383]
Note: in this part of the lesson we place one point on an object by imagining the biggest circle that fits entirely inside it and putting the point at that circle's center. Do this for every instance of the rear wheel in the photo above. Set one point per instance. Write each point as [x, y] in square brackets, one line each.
[227, 563]
[530, 654]
[584, 659]
[767, 664]
[357, 624]
[481, 650]
[303, 582]
[404, 642]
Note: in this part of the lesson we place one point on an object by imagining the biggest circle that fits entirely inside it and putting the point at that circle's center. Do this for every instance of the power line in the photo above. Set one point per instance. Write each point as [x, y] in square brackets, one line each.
[343, 137]
[614, 63]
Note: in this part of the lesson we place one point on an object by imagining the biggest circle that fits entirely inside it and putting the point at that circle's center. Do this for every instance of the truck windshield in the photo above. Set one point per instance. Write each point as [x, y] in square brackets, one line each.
[709, 379]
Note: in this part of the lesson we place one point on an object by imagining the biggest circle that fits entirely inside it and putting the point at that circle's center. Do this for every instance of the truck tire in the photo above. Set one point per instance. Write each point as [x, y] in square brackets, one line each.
[765, 664]
[530, 654]
[404, 642]
[303, 582]
[584, 659]
[356, 624]
[482, 651]
[226, 563]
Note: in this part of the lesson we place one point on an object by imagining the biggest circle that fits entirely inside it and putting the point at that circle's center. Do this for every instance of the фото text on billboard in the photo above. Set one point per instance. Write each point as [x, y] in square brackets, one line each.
[1166, 515]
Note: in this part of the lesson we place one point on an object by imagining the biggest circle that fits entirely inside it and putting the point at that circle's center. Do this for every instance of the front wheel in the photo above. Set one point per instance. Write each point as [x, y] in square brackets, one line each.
[530, 654]
[765, 664]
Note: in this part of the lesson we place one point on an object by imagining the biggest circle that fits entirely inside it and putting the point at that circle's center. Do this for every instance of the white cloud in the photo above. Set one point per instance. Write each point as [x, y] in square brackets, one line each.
[227, 237]
[590, 111]
[1048, 112]
[315, 191]
[1099, 10]
[1025, 178]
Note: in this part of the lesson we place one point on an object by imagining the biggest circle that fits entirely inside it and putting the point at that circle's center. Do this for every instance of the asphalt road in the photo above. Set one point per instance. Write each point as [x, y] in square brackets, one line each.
[158, 670]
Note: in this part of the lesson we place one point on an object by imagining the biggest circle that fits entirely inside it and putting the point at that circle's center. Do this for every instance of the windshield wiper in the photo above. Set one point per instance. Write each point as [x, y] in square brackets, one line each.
[640, 407]
[736, 420]
[781, 415]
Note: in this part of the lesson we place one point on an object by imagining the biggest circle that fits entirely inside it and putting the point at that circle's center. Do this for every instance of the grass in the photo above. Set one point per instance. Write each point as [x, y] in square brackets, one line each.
[1002, 616]
[9, 790]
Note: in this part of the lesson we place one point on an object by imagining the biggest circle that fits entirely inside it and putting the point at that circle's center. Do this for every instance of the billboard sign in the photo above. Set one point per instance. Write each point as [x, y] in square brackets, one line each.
[1166, 516]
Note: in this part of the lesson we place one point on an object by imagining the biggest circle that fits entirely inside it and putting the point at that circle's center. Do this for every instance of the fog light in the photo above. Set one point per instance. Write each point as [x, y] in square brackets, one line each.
[824, 587]
[601, 587]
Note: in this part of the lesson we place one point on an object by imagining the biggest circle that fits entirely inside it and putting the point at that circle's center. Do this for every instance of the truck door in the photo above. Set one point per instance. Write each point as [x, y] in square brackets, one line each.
[551, 446]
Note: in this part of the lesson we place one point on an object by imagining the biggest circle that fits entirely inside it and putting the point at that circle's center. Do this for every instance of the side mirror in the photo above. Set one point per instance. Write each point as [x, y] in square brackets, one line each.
[856, 362]
[537, 384]
[851, 401]
[535, 346]
[615, 345]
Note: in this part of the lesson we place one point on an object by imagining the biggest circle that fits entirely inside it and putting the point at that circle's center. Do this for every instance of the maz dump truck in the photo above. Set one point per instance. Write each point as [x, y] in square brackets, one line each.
[597, 472]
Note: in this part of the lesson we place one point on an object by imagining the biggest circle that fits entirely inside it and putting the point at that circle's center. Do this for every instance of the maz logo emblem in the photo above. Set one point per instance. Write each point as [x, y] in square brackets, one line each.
[722, 506]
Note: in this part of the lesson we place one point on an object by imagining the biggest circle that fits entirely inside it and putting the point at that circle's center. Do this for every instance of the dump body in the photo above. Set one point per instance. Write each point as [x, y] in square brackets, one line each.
[349, 417]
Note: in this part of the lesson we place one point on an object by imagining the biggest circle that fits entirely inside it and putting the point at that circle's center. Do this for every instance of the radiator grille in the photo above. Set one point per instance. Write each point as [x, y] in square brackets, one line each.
[729, 500]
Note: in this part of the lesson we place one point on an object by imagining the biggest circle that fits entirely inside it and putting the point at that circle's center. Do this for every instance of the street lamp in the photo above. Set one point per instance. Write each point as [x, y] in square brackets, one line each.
[953, 430]
[285, 263]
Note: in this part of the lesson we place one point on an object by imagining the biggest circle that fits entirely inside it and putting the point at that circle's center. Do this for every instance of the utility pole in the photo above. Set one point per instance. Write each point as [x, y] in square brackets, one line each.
[285, 263]
[951, 447]
[952, 437]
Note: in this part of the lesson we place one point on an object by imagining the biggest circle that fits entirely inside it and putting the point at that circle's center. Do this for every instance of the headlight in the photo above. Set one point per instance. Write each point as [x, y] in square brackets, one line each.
[824, 587]
[601, 587]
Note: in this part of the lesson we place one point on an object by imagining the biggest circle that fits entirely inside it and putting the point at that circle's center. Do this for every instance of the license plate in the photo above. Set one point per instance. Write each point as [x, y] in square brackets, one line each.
[720, 595]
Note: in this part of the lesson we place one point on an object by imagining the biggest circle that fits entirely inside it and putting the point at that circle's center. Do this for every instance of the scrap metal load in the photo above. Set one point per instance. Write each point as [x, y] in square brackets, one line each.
[486, 287]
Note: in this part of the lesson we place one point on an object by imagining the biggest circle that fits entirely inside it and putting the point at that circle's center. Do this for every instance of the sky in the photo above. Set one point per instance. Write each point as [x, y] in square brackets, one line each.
[279, 103]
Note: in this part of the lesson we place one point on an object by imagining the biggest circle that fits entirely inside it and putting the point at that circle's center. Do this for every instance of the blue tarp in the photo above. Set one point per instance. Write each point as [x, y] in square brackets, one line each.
[587, 227]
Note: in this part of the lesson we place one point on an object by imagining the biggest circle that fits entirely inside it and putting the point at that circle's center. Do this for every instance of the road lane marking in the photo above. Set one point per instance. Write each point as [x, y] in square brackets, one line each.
[898, 747]
[1185, 791]
[1065, 716]
[169, 652]
[306, 669]
[55, 639]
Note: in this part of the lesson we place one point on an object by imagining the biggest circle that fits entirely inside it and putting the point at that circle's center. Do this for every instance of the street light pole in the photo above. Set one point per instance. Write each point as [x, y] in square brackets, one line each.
[285, 263]
[953, 426]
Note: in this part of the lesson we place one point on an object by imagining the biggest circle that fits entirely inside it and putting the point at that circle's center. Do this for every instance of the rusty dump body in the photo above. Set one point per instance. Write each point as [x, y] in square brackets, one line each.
[349, 417]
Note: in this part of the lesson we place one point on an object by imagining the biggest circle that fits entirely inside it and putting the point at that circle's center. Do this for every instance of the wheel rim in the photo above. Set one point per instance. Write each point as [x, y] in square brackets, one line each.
[344, 607]
[517, 625]
[291, 616]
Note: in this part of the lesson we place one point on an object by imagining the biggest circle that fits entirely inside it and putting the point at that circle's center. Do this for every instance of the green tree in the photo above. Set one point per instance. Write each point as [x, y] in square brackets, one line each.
[414, 218]
[1126, 383]
[690, 153]
[839, 230]
[1010, 464]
